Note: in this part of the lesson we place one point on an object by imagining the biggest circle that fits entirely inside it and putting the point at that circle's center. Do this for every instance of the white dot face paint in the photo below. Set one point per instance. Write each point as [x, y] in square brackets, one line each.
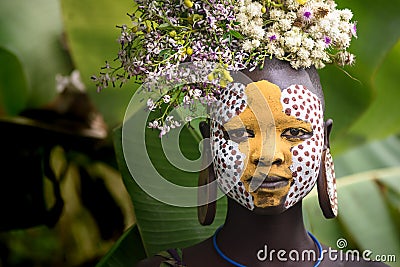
[294, 107]
[299, 102]
[228, 160]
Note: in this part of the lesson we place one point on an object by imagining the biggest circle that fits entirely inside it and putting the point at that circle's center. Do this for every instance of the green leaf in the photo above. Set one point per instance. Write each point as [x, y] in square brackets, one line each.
[165, 53]
[127, 251]
[165, 26]
[236, 34]
[13, 85]
[92, 37]
[382, 114]
[373, 155]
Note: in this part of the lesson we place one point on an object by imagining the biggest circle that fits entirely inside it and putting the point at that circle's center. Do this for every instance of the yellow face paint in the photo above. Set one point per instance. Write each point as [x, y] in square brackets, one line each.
[266, 176]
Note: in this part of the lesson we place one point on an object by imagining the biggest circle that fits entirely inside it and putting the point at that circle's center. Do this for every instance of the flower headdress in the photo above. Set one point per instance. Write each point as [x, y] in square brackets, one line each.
[235, 34]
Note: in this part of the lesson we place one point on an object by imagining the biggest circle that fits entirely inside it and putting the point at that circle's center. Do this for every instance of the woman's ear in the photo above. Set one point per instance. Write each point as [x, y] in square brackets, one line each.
[327, 129]
[207, 190]
[205, 128]
[326, 183]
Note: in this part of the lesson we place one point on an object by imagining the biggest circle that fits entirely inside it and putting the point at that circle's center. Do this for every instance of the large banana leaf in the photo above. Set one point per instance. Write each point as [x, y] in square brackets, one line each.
[127, 251]
[374, 155]
[369, 205]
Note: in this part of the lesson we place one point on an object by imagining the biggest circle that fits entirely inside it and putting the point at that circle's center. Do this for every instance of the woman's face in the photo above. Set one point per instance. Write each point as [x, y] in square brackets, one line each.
[267, 144]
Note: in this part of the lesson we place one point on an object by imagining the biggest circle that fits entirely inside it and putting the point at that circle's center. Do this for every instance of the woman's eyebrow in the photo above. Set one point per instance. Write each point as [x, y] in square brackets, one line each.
[234, 123]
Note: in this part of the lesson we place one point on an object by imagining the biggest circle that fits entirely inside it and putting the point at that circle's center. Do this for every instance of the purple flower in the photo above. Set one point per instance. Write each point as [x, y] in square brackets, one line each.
[354, 29]
[307, 14]
[327, 40]
[272, 37]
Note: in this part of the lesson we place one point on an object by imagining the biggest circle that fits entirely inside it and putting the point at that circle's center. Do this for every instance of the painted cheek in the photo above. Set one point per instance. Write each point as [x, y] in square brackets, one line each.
[306, 156]
[228, 159]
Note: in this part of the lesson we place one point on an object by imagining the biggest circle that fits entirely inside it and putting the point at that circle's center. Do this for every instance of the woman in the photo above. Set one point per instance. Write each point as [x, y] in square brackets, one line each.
[264, 223]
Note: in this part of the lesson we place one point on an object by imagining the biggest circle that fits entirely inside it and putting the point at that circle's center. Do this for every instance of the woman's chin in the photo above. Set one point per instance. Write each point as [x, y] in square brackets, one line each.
[269, 210]
[266, 203]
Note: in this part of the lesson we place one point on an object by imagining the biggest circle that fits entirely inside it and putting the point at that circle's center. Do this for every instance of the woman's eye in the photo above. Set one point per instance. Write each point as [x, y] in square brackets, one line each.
[239, 135]
[296, 133]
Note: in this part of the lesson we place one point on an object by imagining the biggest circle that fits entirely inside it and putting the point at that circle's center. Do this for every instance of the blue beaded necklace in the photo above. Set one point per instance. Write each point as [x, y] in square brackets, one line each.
[241, 265]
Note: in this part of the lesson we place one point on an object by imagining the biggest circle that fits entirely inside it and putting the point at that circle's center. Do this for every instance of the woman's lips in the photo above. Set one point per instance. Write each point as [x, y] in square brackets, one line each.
[267, 182]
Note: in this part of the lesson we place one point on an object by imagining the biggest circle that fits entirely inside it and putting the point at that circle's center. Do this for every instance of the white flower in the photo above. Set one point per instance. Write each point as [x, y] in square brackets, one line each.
[164, 130]
[275, 14]
[177, 123]
[343, 41]
[186, 100]
[292, 40]
[285, 24]
[291, 16]
[319, 64]
[258, 32]
[254, 9]
[346, 14]
[153, 124]
[308, 43]
[195, 93]
[324, 25]
[303, 53]
[166, 98]
[247, 46]
[292, 4]
[150, 104]
[255, 43]
[242, 18]
[345, 58]
[295, 64]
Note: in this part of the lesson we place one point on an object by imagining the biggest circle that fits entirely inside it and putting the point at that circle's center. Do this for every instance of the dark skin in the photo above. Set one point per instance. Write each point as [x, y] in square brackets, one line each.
[245, 232]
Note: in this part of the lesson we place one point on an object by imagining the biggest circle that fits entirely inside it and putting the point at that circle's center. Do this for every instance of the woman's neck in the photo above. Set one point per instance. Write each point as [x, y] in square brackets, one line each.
[245, 233]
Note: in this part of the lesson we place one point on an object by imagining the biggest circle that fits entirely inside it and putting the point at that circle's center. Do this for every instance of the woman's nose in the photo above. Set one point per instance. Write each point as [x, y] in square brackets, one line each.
[279, 155]
[267, 154]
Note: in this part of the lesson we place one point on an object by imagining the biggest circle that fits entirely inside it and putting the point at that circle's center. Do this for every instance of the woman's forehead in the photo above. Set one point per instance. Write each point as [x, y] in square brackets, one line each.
[283, 75]
[263, 97]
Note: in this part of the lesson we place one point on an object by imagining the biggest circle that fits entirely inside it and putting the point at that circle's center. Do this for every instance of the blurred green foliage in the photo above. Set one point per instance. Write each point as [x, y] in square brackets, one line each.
[33, 32]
